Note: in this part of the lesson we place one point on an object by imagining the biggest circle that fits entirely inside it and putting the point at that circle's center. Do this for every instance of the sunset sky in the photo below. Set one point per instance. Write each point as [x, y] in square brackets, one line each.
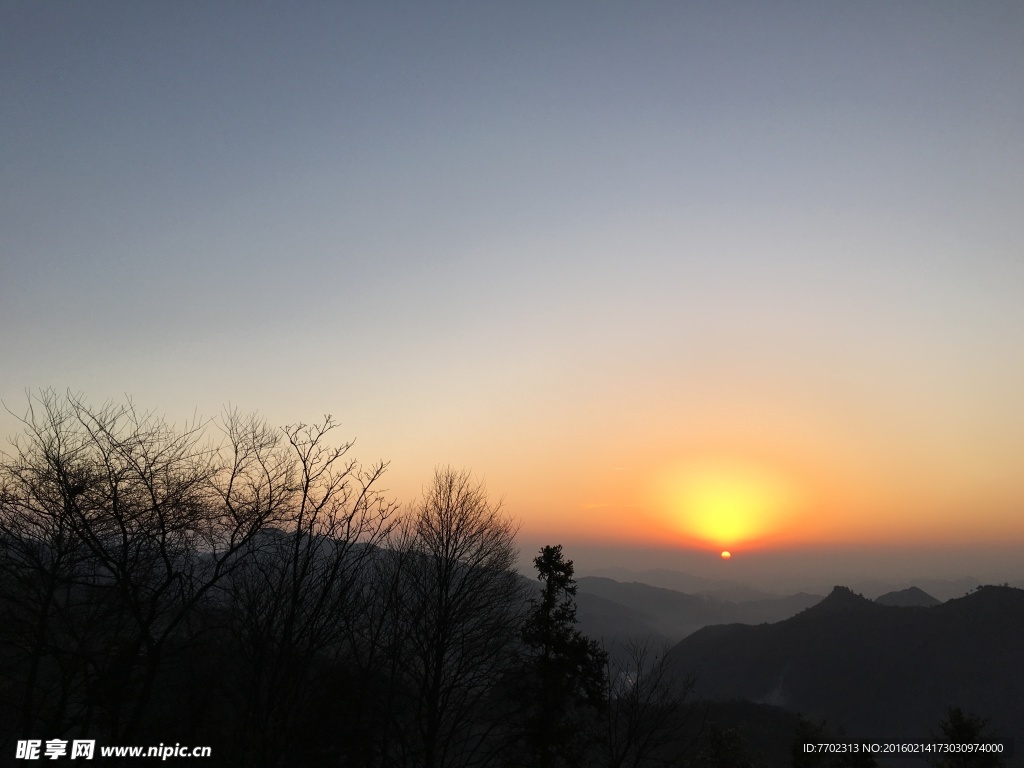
[670, 277]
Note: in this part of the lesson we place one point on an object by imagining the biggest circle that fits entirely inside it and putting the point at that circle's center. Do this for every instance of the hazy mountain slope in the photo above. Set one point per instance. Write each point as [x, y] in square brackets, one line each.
[879, 671]
[687, 583]
[608, 620]
[673, 614]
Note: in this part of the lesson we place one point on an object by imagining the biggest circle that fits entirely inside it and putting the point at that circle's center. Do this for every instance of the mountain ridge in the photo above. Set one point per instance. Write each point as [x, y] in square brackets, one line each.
[879, 671]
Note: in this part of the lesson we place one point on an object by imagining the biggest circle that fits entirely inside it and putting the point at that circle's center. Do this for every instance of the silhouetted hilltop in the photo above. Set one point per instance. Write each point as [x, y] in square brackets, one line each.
[908, 598]
[878, 671]
[842, 600]
[940, 589]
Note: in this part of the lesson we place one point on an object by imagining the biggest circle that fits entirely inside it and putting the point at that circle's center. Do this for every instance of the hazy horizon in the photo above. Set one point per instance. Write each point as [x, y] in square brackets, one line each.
[812, 570]
[670, 279]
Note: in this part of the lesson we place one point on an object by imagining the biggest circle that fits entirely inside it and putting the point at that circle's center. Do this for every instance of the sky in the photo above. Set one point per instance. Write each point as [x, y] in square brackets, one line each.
[670, 278]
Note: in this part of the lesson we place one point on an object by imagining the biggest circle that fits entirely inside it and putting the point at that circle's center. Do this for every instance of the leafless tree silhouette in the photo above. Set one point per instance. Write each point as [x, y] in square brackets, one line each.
[122, 524]
[299, 591]
[648, 706]
[461, 604]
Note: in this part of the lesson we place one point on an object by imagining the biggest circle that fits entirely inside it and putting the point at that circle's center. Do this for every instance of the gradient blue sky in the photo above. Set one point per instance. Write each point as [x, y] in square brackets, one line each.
[572, 246]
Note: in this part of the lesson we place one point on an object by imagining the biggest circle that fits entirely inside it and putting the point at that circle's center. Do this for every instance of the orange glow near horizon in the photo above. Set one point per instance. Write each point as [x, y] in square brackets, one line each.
[724, 504]
[749, 500]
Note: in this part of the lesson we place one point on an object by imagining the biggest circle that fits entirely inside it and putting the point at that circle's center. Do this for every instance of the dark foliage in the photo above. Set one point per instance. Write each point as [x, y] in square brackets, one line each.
[959, 727]
[231, 585]
[561, 684]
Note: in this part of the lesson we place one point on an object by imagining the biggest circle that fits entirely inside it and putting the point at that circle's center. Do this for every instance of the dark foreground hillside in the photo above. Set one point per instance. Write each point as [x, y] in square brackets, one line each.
[879, 672]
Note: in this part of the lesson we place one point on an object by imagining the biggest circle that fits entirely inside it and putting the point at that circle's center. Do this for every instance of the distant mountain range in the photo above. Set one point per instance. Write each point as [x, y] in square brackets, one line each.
[878, 671]
[612, 610]
[739, 591]
[887, 668]
[681, 581]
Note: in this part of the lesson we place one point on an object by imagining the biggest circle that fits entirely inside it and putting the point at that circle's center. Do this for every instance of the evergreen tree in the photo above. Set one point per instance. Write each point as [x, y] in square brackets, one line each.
[564, 681]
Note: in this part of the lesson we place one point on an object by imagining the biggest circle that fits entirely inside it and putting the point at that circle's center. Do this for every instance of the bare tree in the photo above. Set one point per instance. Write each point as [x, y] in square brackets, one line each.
[643, 723]
[44, 610]
[132, 552]
[461, 603]
[298, 594]
[112, 512]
